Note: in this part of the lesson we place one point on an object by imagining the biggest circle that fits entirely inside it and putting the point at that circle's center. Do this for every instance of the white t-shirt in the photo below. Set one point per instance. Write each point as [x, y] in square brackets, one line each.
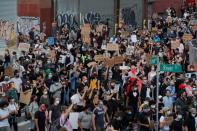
[18, 82]
[76, 100]
[11, 107]
[4, 113]
[133, 38]
[166, 127]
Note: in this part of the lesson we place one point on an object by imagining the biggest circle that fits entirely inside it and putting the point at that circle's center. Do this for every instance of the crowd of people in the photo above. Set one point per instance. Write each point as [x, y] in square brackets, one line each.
[101, 97]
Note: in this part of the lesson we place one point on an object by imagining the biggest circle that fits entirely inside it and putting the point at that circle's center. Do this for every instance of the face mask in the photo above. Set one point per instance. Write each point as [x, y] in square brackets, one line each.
[146, 110]
[160, 54]
[168, 112]
[45, 93]
[56, 84]
[135, 94]
[57, 102]
[193, 114]
[85, 81]
[179, 117]
[50, 76]
[145, 81]
[146, 102]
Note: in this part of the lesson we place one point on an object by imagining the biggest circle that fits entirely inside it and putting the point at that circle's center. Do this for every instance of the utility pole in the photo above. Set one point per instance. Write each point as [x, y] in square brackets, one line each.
[157, 95]
[117, 13]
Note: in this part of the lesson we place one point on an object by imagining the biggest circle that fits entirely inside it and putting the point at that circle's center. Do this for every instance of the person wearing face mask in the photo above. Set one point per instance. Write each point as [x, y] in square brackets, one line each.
[168, 100]
[17, 81]
[164, 122]
[190, 123]
[65, 93]
[44, 99]
[145, 90]
[177, 124]
[13, 109]
[54, 114]
[144, 119]
[85, 119]
[69, 60]
[132, 102]
[4, 114]
[55, 89]
[41, 118]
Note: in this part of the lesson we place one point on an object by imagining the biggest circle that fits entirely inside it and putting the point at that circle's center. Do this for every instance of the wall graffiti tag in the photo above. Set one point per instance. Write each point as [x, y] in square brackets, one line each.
[93, 18]
[25, 24]
[69, 19]
[128, 16]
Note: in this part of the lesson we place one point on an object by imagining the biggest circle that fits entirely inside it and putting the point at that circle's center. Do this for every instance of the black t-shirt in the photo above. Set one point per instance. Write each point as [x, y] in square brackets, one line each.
[56, 112]
[1, 71]
[190, 123]
[176, 125]
[143, 120]
[41, 120]
[133, 99]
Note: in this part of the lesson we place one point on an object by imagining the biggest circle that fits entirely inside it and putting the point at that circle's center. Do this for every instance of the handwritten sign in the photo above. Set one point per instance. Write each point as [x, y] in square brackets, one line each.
[91, 64]
[175, 44]
[86, 39]
[99, 58]
[119, 60]
[112, 47]
[169, 19]
[125, 34]
[24, 46]
[109, 62]
[99, 28]
[9, 72]
[51, 41]
[155, 15]
[187, 37]
[25, 97]
[194, 27]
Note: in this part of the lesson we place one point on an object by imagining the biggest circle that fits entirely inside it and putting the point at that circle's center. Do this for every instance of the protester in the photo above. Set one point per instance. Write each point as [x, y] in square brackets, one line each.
[114, 88]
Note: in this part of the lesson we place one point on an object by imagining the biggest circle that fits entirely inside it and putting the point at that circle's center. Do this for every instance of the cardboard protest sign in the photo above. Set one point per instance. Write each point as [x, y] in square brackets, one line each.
[25, 97]
[155, 15]
[99, 58]
[91, 64]
[51, 41]
[118, 60]
[175, 44]
[194, 27]
[169, 19]
[187, 37]
[85, 29]
[9, 72]
[112, 47]
[99, 28]
[109, 62]
[86, 39]
[154, 29]
[125, 34]
[24, 46]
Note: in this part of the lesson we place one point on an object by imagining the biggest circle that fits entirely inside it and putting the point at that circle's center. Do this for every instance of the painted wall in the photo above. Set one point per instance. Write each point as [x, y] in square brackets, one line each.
[96, 10]
[8, 9]
[37, 8]
[132, 11]
[161, 5]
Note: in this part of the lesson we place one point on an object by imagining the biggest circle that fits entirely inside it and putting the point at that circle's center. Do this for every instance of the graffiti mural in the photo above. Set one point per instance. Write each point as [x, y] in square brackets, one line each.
[128, 16]
[92, 18]
[7, 30]
[25, 24]
[71, 20]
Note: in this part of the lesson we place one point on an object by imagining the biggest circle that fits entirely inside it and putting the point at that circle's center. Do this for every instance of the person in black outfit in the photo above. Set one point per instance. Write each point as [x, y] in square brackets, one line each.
[40, 118]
